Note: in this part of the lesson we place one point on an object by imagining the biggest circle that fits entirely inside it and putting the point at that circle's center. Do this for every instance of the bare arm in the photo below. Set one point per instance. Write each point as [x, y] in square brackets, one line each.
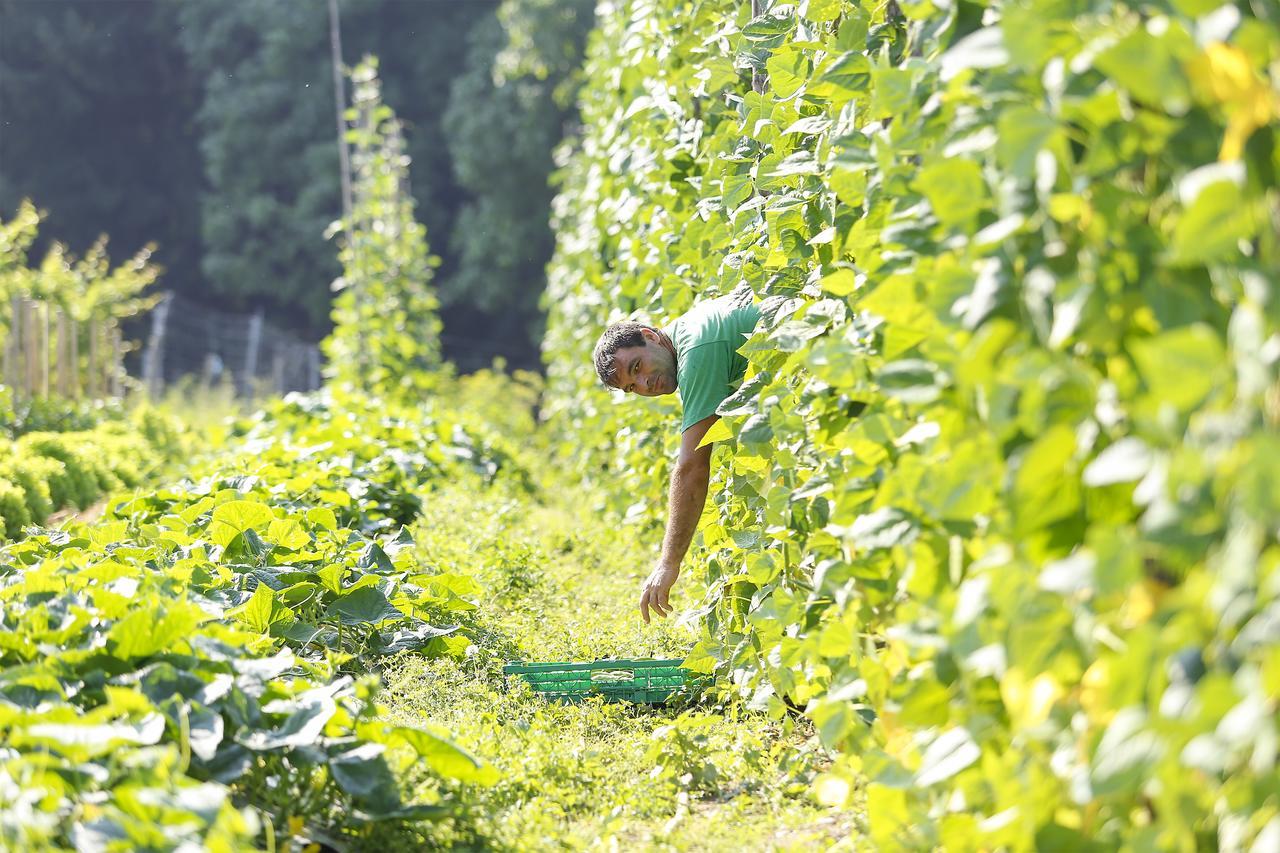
[688, 494]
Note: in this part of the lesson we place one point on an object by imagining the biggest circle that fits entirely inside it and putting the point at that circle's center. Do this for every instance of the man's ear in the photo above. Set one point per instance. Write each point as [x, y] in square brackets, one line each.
[649, 335]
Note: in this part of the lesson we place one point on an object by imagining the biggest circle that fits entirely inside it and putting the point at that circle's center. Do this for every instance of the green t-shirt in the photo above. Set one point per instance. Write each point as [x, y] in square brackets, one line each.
[708, 366]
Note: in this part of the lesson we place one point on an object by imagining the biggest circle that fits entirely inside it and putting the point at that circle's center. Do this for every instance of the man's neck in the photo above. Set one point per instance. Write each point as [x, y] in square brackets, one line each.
[667, 342]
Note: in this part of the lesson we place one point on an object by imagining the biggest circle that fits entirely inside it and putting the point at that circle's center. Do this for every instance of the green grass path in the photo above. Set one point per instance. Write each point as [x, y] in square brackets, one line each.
[562, 586]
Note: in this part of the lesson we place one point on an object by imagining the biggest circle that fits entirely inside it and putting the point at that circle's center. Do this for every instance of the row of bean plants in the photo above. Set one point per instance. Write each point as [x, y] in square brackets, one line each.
[997, 509]
[195, 667]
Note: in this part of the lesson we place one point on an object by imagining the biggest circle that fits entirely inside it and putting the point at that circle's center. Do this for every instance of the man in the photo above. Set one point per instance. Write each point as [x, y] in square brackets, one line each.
[697, 355]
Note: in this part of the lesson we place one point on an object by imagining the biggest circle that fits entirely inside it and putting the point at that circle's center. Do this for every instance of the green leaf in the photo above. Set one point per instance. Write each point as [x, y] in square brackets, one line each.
[1144, 64]
[1125, 754]
[234, 517]
[768, 30]
[445, 757]
[154, 628]
[955, 190]
[1023, 132]
[848, 75]
[982, 48]
[373, 558]
[950, 752]
[365, 606]
[884, 528]
[1180, 367]
[719, 431]
[1045, 488]
[788, 69]
[1216, 219]
[823, 10]
[363, 773]
[262, 610]
[911, 380]
[323, 517]
[287, 533]
[303, 726]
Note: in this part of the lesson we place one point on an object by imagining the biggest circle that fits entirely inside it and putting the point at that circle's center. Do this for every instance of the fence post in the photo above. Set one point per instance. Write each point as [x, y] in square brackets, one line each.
[153, 358]
[251, 354]
[313, 367]
[277, 370]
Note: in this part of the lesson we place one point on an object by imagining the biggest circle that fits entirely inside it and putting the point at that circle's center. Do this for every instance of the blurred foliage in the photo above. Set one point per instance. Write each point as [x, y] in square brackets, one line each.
[98, 100]
[994, 507]
[268, 139]
[85, 287]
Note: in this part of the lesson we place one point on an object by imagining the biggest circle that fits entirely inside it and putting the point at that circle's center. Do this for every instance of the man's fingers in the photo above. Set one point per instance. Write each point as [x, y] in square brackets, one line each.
[644, 606]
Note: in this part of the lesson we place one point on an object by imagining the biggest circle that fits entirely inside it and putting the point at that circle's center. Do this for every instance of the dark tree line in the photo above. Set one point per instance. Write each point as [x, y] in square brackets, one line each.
[208, 128]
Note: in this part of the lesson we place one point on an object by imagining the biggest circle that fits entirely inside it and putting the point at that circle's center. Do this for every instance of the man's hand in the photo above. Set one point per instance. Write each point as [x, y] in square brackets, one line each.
[655, 591]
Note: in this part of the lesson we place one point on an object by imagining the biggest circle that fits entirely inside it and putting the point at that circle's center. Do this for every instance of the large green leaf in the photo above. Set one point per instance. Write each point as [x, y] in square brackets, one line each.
[1180, 367]
[955, 190]
[234, 517]
[365, 606]
[442, 755]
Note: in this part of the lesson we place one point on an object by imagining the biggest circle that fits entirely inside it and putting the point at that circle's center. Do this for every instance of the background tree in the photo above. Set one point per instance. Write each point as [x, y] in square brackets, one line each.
[95, 107]
[507, 112]
[208, 128]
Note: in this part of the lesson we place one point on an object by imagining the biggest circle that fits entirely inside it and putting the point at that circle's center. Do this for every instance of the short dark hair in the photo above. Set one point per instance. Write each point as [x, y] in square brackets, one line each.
[618, 336]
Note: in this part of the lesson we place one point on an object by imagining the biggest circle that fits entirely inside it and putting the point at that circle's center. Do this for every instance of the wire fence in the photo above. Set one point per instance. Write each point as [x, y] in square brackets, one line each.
[257, 358]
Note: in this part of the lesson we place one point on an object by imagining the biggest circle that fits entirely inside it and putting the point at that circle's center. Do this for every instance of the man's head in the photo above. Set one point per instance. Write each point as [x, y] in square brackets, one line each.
[637, 359]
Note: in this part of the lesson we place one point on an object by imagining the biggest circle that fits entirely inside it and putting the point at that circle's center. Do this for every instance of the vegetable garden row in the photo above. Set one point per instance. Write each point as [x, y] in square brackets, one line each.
[220, 632]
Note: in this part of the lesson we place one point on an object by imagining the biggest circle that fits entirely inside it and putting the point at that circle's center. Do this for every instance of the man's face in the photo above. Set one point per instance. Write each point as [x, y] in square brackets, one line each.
[648, 370]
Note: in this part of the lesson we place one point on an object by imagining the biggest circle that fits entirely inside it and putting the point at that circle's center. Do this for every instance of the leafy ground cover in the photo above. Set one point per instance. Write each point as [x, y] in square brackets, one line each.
[194, 668]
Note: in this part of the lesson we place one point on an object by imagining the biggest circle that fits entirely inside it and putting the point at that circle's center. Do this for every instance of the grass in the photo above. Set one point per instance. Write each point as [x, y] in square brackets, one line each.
[563, 586]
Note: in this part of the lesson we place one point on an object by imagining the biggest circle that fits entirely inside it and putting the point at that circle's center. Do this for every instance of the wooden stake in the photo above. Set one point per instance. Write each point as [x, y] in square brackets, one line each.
[45, 349]
[117, 365]
[75, 356]
[64, 354]
[95, 357]
[29, 338]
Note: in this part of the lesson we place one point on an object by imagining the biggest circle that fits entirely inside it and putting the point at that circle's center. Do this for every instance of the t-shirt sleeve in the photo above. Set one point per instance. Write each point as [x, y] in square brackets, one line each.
[704, 381]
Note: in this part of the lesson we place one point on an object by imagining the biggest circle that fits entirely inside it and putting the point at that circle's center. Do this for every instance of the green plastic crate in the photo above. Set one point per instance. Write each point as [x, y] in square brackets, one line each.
[644, 681]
